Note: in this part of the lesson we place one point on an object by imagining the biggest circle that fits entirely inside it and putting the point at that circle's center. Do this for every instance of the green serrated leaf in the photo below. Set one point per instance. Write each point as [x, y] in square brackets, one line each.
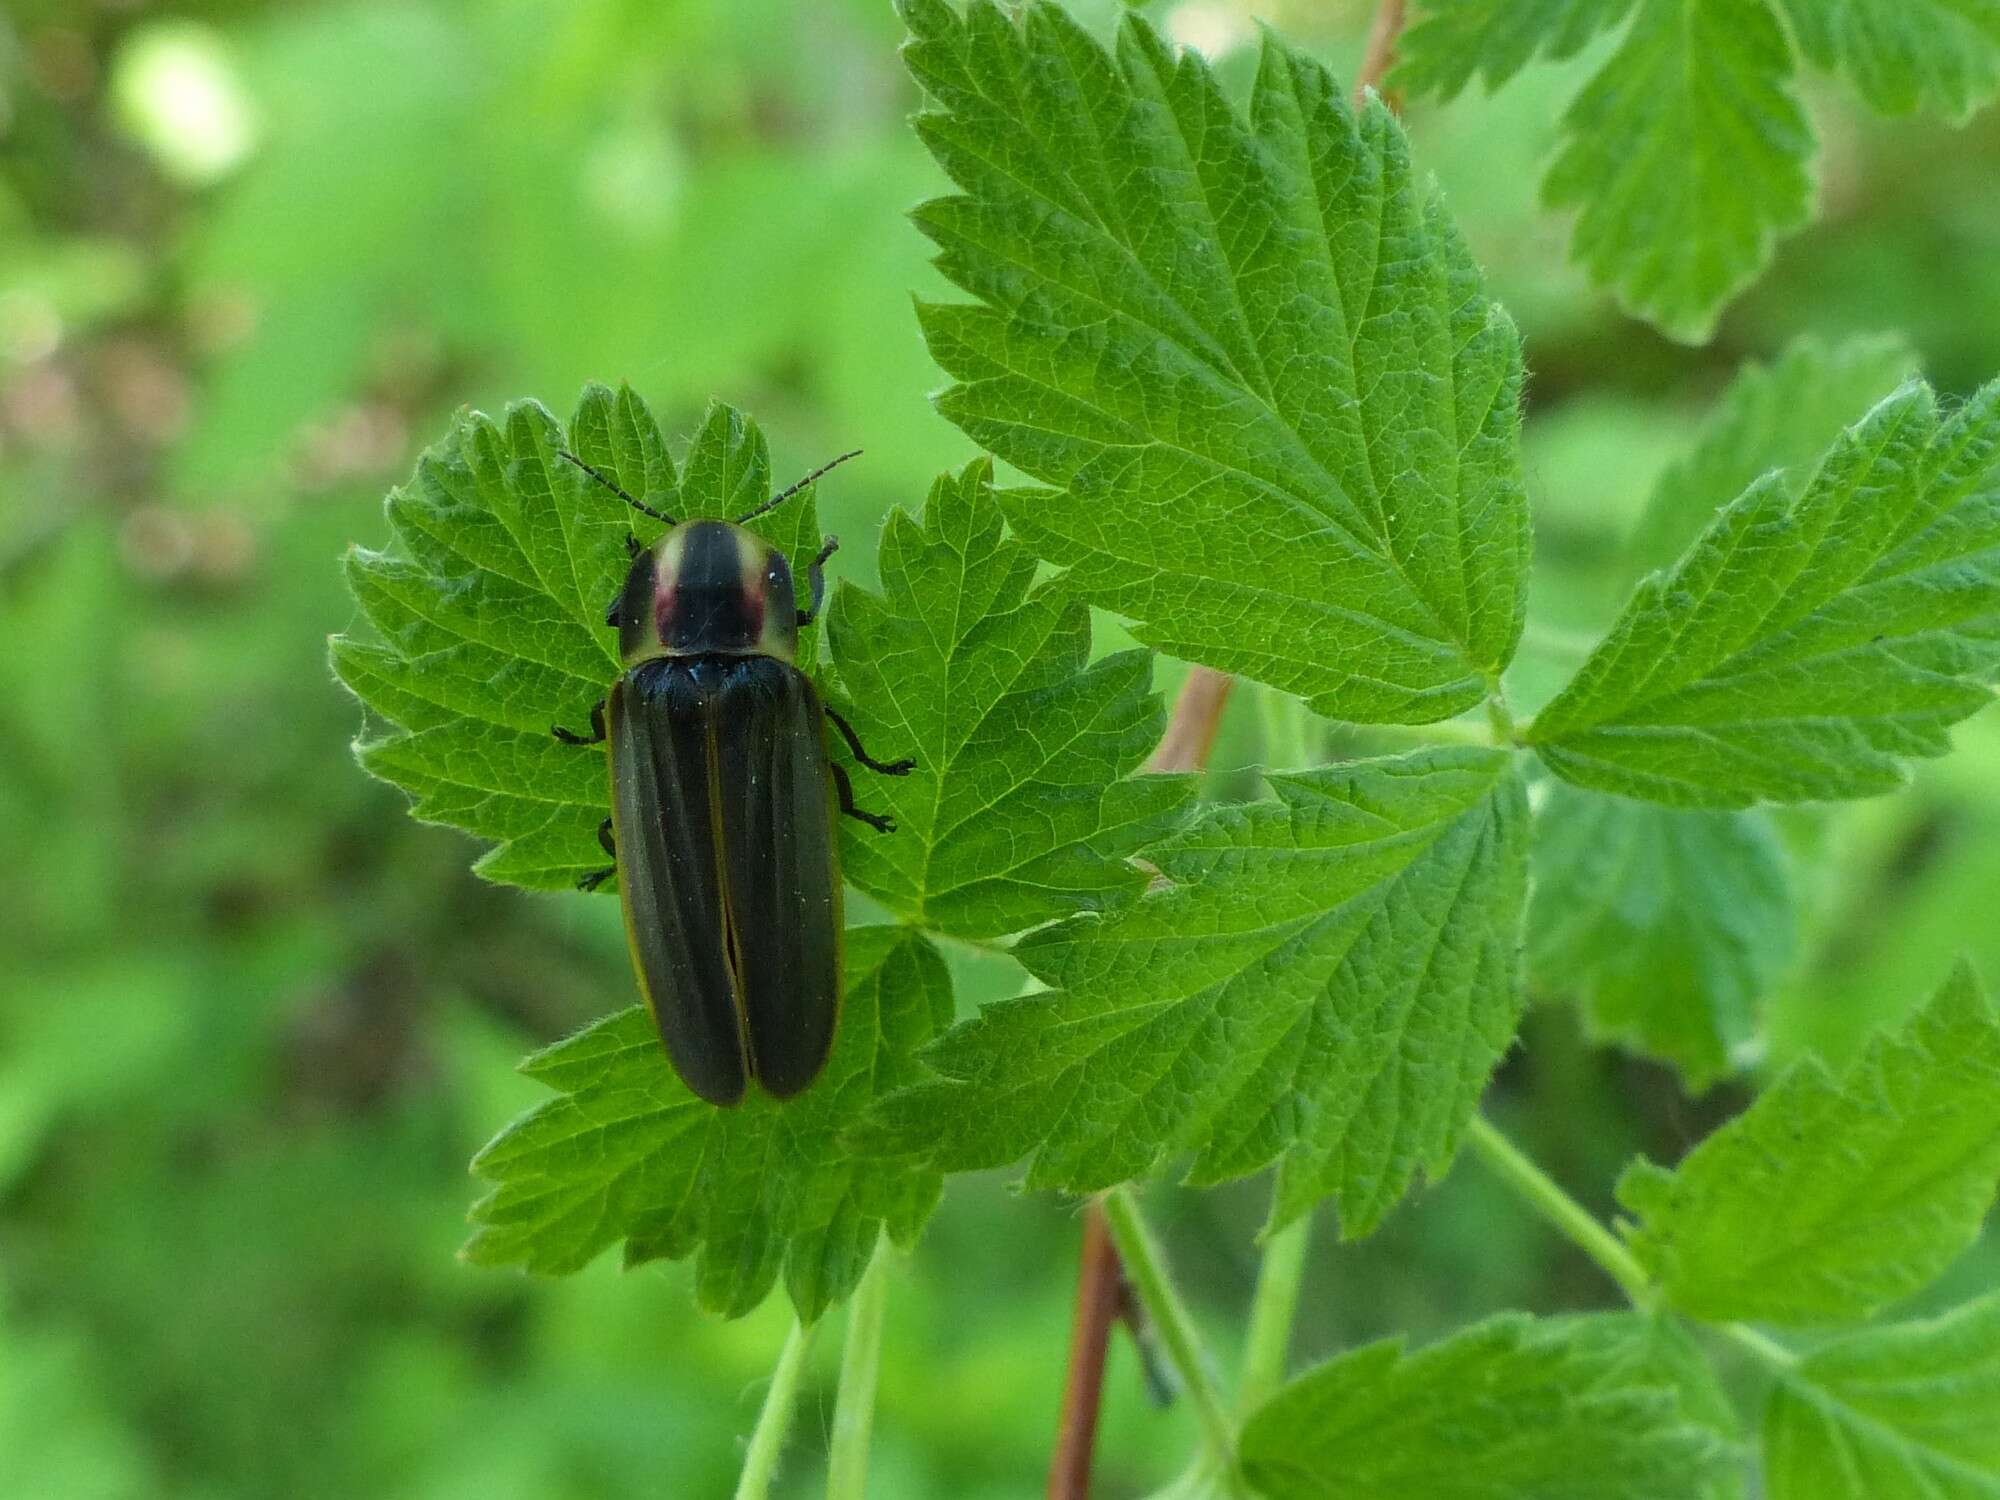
[1557, 1410]
[1906, 1412]
[1328, 982]
[1778, 416]
[491, 614]
[1019, 809]
[1251, 356]
[1451, 41]
[1685, 157]
[1905, 55]
[627, 1153]
[1668, 925]
[1807, 644]
[1831, 1197]
[1656, 1349]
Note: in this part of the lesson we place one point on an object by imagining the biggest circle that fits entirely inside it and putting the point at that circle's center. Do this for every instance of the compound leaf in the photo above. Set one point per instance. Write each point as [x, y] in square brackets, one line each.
[490, 618]
[1510, 1407]
[1657, 1349]
[1910, 1411]
[1250, 356]
[1451, 41]
[1810, 641]
[1327, 982]
[1831, 1197]
[1779, 416]
[1668, 925]
[1903, 55]
[626, 1152]
[1688, 153]
[1020, 809]
[1685, 156]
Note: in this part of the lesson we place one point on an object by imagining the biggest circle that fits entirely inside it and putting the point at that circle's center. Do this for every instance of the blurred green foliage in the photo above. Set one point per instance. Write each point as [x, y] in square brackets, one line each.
[253, 1021]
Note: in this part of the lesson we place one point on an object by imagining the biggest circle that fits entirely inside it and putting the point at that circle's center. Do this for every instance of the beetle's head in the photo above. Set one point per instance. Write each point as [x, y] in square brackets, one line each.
[708, 587]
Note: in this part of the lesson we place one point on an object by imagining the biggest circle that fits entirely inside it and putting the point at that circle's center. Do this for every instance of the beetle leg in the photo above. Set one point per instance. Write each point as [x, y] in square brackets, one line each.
[633, 547]
[596, 878]
[901, 767]
[816, 580]
[596, 735]
[877, 821]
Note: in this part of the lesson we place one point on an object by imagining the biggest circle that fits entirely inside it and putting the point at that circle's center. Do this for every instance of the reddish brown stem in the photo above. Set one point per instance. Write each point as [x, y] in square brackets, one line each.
[1098, 1298]
[1100, 1295]
[1197, 715]
[1379, 56]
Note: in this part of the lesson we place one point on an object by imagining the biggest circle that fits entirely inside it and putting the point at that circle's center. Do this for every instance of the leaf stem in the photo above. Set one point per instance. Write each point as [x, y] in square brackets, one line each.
[1184, 746]
[1379, 56]
[1498, 714]
[1441, 732]
[774, 1422]
[1762, 1347]
[985, 947]
[860, 1364]
[1272, 1309]
[1197, 715]
[1287, 736]
[1576, 1223]
[1147, 1271]
[1558, 641]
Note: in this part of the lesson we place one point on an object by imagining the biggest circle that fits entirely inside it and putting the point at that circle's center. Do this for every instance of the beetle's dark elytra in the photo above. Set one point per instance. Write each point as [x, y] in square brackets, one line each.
[730, 881]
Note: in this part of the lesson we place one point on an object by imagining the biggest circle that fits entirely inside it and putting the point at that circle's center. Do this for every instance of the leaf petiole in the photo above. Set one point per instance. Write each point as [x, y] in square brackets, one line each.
[1761, 1347]
[774, 1421]
[860, 1364]
[1576, 1223]
[1499, 717]
[1272, 1309]
[1146, 1269]
[1287, 726]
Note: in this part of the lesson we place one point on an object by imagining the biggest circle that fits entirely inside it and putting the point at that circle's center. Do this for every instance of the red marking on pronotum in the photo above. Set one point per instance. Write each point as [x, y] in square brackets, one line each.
[665, 602]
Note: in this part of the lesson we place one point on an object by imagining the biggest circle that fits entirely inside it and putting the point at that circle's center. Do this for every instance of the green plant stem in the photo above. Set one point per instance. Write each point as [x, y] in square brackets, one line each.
[1443, 732]
[1196, 1483]
[980, 946]
[774, 1422]
[1571, 1218]
[860, 1364]
[1560, 642]
[1498, 715]
[1762, 1347]
[1272, 1309]
[1287, 737]
[1146, 1270]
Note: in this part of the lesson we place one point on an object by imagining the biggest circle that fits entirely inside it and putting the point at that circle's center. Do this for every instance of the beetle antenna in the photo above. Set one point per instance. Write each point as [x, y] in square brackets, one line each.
[613, 487]
[785, 494]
